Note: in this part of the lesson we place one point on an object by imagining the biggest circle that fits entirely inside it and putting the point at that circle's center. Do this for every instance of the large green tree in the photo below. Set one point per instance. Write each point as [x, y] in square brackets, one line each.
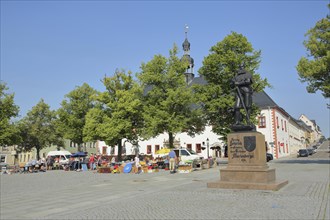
[219, 68]
[315, 68]
[119, 116]
[73, 111]
[168, 101]
[37, 128]
[8, 110]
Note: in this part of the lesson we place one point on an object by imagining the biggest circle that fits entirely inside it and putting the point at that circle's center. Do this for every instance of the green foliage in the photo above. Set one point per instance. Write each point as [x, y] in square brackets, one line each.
[8, 110]
[73, 111]
[120, 114]
[315, 69]
[168, 102]
[38, 128]
[219, 67]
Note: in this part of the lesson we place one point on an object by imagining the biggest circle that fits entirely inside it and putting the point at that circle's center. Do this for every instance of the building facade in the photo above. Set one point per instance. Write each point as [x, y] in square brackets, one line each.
[316, 131]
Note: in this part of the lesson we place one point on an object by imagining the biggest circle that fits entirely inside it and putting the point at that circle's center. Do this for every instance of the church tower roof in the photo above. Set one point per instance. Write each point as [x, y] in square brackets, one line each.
[187, 58]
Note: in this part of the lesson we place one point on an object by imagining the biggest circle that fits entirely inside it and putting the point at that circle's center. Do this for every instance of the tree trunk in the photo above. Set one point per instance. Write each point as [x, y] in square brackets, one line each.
[171, 139]
[79, 147]
[38, 151]
[119, 150]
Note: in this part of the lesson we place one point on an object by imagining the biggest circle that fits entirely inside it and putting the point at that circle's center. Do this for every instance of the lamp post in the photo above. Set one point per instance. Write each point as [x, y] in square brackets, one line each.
[207, 145]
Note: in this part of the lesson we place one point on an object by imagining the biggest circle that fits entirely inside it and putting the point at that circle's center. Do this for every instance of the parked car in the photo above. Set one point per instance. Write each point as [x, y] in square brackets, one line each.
[269, 157]
[3, 166]
[62, 155]
[187, 155]
[310, 151]
[302, 153]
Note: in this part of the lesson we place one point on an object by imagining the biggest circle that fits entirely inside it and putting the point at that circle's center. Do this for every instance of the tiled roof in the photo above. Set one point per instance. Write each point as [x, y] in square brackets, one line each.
[198, 80]
[262, 100]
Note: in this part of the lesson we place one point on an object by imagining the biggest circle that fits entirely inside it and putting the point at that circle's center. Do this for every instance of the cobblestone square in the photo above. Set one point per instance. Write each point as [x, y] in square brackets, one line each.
[89, 195]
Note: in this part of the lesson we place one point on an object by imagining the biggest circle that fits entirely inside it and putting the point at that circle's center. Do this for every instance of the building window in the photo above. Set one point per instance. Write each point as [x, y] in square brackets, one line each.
[2, 158]
[279, 146]
[282, 124]
[104, 150]
[278, 125]
[285, 126]
[262, 122]
[198, 148]
[189, 146]
[287, 148]
[148, 149]
[156, 148]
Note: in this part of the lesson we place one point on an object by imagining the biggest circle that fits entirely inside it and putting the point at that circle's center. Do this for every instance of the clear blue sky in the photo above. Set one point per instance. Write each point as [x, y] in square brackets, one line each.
[50, 47]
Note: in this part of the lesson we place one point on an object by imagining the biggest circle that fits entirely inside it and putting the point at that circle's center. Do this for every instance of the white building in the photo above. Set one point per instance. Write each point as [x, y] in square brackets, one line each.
[296, 136]
[316, 134]
[273, 123]
[205, 144]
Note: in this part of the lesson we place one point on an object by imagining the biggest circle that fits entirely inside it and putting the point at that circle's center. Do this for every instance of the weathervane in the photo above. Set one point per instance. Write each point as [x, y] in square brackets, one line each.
[186, 29]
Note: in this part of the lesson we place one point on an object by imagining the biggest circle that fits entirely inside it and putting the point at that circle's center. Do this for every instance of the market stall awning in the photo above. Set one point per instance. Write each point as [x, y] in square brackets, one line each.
[163, 151]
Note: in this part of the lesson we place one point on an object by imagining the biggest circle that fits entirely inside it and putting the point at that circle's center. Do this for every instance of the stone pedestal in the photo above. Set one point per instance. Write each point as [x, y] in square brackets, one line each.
[247, 168]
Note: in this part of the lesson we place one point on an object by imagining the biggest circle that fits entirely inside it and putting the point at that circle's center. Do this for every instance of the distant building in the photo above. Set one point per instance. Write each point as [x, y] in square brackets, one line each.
[11, 155]
[296, 136]
[316, 134]
[8, 155]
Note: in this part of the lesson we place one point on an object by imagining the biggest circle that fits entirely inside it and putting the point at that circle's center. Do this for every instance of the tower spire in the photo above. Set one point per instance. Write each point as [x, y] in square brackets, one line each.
[186, 28]
[186, 57]
[186, 44]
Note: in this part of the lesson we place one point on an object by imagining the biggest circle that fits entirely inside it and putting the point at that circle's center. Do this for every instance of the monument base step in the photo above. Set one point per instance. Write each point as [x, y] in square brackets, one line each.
[276, 185]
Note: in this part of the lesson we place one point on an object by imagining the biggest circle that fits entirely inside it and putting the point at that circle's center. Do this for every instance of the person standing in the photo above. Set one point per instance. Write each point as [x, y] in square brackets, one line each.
[137, 164]
[172, 157]
[113, 161]
[50, 162]
[91, 161]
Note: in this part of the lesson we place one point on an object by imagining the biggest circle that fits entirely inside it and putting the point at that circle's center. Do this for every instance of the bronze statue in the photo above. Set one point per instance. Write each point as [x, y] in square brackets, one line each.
[242, 84]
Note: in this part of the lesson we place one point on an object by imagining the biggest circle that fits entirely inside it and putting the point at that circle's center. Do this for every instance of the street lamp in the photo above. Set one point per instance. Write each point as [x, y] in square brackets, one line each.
[207, 145]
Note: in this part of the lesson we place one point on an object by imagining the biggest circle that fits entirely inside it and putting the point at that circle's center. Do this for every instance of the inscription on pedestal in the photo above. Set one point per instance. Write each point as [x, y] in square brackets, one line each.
[246, 149]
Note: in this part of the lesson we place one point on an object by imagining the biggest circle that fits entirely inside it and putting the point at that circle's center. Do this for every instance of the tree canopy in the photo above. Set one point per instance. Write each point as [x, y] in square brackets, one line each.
[119, 116]
[315, 68]
[8, 130]
[168, 101]
[73, 111]
[37, 128]
[218, 69]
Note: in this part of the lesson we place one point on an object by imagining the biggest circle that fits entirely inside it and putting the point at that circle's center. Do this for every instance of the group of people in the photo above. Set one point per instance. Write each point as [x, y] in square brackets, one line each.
[35, 165]
[92, 162]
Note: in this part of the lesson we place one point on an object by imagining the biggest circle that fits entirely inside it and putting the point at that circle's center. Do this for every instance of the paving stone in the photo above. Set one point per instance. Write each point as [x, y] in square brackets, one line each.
[88, 195]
